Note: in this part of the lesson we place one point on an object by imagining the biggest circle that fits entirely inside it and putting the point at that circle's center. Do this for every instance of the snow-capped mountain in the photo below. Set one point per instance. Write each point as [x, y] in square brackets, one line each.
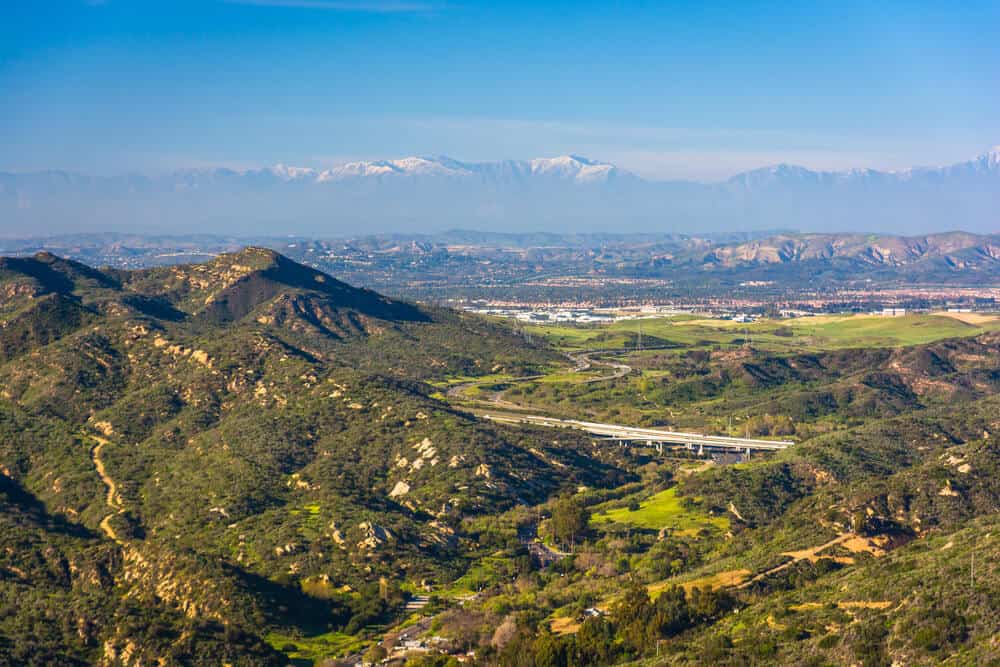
[569, 168]
[558, 193]
[986, 165]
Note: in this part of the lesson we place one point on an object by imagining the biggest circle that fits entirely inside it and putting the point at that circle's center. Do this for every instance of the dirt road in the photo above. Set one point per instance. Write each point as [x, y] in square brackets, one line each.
[111, 498]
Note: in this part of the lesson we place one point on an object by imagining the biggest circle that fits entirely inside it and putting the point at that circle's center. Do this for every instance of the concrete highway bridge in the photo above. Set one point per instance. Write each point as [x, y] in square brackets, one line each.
[653, 436]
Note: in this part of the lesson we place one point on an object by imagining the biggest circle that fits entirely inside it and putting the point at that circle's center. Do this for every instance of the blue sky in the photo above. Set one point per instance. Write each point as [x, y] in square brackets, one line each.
[668, 89]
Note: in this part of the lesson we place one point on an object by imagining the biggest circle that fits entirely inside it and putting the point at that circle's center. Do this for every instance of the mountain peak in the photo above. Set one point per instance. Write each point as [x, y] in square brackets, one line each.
[254, 258]
[234, 284]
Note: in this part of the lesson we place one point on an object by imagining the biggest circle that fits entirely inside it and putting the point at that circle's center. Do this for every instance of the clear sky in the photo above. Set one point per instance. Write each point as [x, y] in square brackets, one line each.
[667, 89]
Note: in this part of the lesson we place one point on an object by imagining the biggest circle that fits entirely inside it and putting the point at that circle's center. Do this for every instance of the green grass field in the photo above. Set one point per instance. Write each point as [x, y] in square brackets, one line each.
[663, 510]
[315, 648]
[822, 332]
[867, 331]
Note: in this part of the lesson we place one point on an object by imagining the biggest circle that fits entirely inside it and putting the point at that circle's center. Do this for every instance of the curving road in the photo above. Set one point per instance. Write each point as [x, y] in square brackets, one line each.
[582, 361]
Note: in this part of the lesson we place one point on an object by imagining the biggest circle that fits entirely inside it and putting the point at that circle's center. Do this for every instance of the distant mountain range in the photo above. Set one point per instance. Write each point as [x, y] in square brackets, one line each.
[568, 193]
[957, 248]
[475, 264]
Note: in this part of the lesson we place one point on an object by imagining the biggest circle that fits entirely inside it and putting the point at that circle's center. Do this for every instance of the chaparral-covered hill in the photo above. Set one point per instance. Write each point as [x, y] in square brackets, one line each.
[196, 455]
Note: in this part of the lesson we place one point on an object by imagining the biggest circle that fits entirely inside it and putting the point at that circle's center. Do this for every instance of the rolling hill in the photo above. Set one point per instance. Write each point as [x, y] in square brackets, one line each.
[232, 434]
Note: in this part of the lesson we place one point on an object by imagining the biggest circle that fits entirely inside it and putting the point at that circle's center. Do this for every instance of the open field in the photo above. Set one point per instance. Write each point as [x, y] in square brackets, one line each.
[822, 332]
[315, 648]
[872, 330]
[663, 510]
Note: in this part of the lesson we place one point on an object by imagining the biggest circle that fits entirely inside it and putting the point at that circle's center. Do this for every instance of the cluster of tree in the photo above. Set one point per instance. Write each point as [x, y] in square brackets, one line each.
[570, 520]
[635, 626]
[774, 425]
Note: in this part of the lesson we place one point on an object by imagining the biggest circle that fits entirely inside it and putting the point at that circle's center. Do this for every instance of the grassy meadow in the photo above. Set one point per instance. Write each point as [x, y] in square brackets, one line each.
[821, 332]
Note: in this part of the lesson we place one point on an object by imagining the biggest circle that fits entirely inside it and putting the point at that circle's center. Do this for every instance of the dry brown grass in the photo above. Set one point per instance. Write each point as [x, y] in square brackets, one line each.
[717, 580]
[865, 604]
[970, 318]
[858, 544]
[564, 626]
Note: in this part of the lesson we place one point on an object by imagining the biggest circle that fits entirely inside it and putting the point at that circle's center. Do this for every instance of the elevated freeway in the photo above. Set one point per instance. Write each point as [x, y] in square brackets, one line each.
[653, 436]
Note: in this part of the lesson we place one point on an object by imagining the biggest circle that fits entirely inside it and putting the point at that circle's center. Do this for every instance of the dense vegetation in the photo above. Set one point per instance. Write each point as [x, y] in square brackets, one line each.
[249, 462]
[273, 449]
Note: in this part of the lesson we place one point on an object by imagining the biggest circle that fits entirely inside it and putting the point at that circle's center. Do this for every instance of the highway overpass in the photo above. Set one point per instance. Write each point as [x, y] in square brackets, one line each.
[652, 436]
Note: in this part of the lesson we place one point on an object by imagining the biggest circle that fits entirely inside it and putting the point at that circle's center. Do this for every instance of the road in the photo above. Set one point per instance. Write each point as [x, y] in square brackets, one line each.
[496, 397]
[543, 553]
[582, 361]
[637, 434]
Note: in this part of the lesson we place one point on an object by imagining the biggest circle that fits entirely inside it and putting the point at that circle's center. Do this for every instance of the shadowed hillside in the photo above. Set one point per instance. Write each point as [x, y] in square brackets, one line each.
[234, 433]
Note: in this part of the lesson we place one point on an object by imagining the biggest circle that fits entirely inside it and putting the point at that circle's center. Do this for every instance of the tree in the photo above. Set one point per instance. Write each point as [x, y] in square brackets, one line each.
[376, 654]
[633, 613]
[569, 520]
[633, 606]
[549, 651]
[705, 603]
[504, 633]
[671, 612]
[595, 642]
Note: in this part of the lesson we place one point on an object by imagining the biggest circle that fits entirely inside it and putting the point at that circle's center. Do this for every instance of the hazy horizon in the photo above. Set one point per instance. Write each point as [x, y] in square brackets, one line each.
[686, 91]
[685, 97]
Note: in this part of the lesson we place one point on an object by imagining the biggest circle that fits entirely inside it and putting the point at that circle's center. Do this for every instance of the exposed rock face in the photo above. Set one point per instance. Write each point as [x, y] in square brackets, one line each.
[374, 535]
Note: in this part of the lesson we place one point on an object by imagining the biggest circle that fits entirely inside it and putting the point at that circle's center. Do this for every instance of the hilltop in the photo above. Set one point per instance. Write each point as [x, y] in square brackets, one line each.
[233, 433]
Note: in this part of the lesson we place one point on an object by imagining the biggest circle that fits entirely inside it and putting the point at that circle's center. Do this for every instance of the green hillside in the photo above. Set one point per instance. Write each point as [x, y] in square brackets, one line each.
[249, 462]
[253, 425]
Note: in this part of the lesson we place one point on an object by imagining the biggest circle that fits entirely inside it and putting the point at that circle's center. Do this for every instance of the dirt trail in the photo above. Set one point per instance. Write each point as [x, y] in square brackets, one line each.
[111, 498]
[810, 554]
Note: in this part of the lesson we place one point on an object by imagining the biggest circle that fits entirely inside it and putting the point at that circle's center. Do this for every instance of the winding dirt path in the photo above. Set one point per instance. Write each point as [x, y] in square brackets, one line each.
[810, 554]
[111, 498]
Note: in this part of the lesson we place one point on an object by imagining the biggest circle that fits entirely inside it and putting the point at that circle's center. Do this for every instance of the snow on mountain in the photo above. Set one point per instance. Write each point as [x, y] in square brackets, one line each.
[567, 168]
[287, 173]
[786, 175]
[573, 167]
[560, 192]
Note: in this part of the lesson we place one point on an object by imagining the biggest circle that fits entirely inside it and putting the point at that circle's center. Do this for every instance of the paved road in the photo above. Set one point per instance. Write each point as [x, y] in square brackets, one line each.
[496, 397]
[546, 555]
[635, 433]
[582, 361]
